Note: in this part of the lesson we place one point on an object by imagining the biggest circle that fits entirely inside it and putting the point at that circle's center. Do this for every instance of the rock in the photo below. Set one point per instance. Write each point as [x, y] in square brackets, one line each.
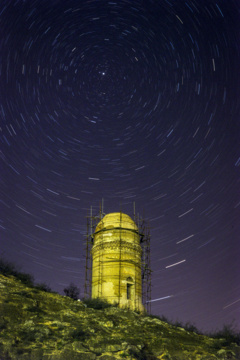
[225, 354]
[37, 325]
[133, 349]
[37, 354]
[113, 348]
[107, 357]
[72, 355]
[165, 356]
[78, 346]
[124, 345]
[112, 310]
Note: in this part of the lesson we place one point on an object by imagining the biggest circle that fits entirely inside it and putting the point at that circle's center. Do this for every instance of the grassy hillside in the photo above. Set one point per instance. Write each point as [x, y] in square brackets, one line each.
[39, 325]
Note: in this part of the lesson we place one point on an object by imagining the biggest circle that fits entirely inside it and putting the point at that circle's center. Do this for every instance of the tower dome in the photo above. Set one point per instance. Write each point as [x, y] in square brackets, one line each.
[116, 261]
[116, 219]
[120, 224]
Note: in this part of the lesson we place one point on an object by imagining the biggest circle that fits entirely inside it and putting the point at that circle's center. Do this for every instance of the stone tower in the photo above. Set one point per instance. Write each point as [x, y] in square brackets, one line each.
[116, 261]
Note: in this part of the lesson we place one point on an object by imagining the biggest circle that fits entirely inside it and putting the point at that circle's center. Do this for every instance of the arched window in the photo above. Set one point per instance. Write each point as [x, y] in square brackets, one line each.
[129, 288]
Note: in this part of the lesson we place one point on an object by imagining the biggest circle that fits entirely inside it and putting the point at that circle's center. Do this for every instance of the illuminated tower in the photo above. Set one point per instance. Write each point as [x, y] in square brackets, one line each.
[116, 261]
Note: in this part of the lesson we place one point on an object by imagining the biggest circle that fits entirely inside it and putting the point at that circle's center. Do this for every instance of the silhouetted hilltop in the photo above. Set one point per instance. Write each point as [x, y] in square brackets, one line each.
[39, 325]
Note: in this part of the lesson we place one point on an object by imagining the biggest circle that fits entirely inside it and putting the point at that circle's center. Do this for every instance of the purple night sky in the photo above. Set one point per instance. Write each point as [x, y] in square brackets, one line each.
[130, 101]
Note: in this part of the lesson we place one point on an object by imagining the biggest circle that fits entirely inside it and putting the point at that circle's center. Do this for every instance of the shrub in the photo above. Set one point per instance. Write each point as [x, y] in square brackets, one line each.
[26, 279]
[43, 287]
[35, 309]
[187, 326]
[24, 293]
[97, 303]
[191, 328]
[228, 333]
[79, 334]
[3, 324]
[72, 291]
[162, 317]
[5, 356]
[7, 268]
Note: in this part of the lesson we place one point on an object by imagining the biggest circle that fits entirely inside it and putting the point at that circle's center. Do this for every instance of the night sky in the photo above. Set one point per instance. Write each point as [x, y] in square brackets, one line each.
[130, 101]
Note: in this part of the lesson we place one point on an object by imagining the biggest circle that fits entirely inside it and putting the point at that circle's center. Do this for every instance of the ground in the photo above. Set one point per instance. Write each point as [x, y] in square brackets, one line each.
[37, 325]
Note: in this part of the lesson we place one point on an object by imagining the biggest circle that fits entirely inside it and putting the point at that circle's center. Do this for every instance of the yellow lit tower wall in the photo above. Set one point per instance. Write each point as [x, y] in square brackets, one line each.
[116, 261]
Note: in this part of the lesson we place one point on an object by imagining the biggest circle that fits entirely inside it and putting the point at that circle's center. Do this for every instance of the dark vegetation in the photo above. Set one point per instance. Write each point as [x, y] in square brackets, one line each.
[97, 304]
[8, 269]
[229, 334]
[187, 326]
[72, 291]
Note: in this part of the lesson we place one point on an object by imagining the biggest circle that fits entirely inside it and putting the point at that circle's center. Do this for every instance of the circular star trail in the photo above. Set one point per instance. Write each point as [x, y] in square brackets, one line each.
[130, 101]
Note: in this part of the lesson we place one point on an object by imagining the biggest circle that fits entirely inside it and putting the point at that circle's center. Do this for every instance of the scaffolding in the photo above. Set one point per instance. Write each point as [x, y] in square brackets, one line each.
[92, 221]
[144, 236]
[146, 264]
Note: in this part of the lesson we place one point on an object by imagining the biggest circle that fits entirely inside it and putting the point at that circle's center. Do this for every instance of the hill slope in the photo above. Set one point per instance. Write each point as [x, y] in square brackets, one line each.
[45, 326]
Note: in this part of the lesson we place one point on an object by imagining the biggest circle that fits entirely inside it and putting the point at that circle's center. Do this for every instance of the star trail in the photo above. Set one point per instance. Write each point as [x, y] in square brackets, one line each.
[130, 101]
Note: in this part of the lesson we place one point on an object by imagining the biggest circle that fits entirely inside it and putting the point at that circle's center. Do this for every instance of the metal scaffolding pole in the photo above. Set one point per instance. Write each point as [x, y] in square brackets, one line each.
[146, 264]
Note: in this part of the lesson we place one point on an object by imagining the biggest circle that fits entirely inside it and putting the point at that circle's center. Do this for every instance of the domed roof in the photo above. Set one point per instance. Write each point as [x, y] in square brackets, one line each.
[116, 220]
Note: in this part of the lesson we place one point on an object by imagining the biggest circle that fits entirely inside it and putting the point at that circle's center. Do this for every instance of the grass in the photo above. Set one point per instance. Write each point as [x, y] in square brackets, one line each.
[97, 303]
[9, 269]
[228, 333]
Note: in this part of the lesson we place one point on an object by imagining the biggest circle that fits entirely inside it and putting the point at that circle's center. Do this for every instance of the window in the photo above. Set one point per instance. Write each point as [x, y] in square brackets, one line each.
[129, 291]
[129, 288]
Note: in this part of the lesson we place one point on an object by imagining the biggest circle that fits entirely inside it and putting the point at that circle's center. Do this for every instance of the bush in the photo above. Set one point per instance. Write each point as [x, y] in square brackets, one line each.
[187, 326]
[79, 334]
[72, 291]
[43, 287]
[7, 268]
[228, 333]
[5, 356]
[26, 279]
[97, 303]
[159, 317]
[35, 309]
[3, 325]
[191, 328]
